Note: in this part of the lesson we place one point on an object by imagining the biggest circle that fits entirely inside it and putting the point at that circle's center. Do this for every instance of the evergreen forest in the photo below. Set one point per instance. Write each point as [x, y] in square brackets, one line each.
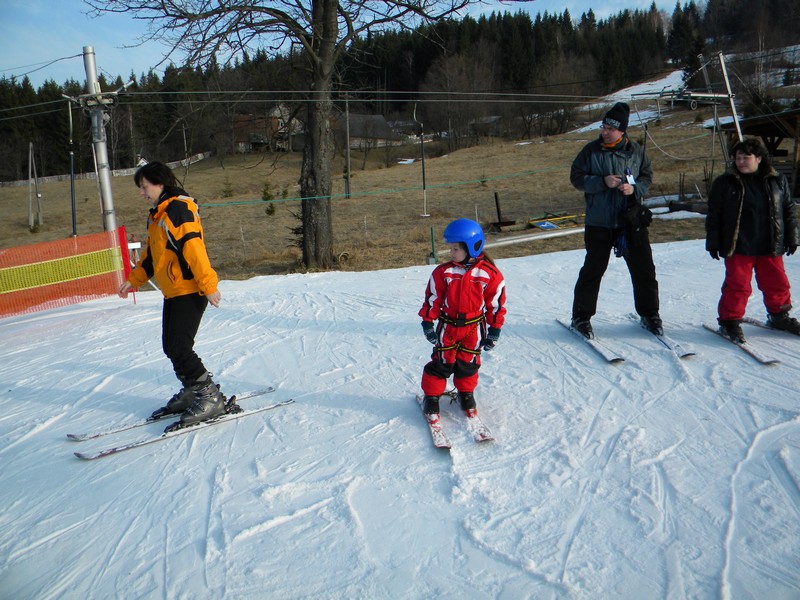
[530, 73]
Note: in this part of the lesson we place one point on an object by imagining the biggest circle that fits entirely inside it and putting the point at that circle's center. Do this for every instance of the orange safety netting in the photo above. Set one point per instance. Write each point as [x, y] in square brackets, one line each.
[51, 274]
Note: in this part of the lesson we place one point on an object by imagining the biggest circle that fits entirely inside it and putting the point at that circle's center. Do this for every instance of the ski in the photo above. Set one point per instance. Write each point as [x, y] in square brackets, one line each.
[81, 437]
[765, 325]
[760, 356]
[176, 429]
[601, 348]
[439, 437]
[475, 426]
[679, 350]
[479, 431]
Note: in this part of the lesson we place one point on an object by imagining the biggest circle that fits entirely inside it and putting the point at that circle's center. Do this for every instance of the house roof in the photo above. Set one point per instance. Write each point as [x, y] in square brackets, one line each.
[785, 124]
[365, 126]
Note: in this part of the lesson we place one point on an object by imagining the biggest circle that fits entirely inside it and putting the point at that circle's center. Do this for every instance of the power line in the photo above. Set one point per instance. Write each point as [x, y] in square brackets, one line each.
[39, 66]
[37, 105]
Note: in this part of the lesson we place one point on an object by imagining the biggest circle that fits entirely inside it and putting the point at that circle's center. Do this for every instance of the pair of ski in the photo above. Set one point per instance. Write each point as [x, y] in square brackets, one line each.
[475, 426]
[754, 350]
[232, 412]
[612, 355]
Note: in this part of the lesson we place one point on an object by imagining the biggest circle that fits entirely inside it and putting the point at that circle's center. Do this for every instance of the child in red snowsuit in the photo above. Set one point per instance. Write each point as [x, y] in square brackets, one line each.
[467, 297]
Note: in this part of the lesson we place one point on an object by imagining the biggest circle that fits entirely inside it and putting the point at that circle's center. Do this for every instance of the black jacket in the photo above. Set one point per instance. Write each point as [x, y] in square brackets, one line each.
[606, 206]
[725, 201]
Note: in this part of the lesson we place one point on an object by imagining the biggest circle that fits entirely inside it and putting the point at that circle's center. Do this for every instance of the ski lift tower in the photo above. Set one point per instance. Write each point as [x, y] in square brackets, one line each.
[98, 104]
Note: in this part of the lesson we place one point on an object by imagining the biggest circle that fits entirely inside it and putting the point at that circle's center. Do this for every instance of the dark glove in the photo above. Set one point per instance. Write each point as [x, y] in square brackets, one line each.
[491, 338]
[645, 216]
[430, 333]
[638, 216]
[714, 254]
[791, 250]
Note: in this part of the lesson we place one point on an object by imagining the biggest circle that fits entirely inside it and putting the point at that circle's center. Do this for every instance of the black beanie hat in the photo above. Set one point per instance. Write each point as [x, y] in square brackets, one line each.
[617, 117]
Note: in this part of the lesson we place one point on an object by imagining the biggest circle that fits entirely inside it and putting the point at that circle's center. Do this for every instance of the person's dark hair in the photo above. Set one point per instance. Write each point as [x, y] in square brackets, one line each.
[755, 147]
[486, 257]
[156, 173]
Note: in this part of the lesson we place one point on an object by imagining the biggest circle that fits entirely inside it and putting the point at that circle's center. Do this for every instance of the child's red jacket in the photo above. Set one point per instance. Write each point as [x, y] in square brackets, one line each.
[464, 293]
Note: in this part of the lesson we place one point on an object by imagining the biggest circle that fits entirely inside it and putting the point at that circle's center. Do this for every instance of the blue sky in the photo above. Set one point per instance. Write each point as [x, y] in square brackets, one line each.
[38, 32]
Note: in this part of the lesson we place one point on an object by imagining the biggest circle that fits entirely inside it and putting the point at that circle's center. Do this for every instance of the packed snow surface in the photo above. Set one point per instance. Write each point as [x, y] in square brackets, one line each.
[658, 477]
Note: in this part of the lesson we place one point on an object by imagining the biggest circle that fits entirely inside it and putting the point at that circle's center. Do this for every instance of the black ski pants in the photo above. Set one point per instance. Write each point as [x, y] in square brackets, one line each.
[599, 242]
[179, 324]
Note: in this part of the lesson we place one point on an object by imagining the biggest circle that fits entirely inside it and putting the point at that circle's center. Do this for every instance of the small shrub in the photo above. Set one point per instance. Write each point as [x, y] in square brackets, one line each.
[266, 196]
[227, 187]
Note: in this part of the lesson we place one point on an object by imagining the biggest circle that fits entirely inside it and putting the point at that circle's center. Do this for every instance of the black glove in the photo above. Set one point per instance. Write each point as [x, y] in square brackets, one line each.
[638, 216]
[645, 216]
[491, 338]
[791, 249]
[714, 254]
[430, 333]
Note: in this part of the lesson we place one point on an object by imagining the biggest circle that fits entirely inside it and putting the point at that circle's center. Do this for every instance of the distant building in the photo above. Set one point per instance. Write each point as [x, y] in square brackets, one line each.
[366, 131]
[270, 132]
[491, 126]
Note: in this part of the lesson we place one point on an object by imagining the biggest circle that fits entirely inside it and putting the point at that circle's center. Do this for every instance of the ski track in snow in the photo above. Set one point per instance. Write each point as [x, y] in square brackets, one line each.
[659, 477]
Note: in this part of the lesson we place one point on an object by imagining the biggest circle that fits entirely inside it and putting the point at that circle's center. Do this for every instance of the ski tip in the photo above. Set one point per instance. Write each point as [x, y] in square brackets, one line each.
[85, 456]
[77, 437]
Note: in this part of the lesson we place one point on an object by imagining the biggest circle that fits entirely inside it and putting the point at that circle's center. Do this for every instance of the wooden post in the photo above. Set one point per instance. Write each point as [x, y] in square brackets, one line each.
[35, 217]
[497, 205]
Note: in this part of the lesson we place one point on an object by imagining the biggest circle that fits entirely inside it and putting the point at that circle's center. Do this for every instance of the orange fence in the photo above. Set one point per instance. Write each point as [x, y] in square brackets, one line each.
[51, 274]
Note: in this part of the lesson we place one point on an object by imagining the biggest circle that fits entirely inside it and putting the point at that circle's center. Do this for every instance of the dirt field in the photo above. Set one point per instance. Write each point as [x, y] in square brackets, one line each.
[381, 225]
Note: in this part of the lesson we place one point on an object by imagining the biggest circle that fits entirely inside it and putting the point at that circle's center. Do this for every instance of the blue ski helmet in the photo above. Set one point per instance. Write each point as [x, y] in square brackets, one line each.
[467, 231]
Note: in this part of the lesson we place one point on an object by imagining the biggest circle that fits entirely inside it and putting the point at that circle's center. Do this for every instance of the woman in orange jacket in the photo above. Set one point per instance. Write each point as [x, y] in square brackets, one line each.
[175, 258]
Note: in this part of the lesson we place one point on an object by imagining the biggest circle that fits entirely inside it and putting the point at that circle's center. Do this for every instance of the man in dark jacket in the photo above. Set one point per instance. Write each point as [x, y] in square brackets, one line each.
[614, 173]
[751, 223]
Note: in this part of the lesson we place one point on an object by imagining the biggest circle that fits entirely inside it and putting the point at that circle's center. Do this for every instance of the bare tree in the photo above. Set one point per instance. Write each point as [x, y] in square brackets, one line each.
[202, 30]
[454, 76]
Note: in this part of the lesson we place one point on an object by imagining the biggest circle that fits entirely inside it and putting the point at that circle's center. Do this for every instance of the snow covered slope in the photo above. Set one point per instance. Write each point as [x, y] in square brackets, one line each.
[655, 478]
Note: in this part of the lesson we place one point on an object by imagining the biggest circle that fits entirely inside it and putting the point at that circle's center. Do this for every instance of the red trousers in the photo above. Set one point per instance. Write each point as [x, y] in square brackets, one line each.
[458, 354]
[736, 289]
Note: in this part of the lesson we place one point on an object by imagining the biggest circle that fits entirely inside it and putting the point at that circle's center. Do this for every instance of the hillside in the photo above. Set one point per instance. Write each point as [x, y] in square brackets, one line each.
[380, 225]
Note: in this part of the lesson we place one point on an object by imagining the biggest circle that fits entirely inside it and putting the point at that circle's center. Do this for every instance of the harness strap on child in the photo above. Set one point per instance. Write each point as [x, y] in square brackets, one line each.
[460, 321]
[457, 346]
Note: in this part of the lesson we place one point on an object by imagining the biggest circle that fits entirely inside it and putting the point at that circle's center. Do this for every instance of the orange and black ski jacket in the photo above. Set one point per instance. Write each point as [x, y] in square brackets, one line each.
[175, 255]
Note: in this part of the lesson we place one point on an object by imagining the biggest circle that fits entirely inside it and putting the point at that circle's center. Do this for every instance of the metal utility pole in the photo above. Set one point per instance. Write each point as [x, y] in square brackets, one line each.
[72, 172]
[422, 156]
[730, 96]
[347, 146]
[717, 128]
[96, 103]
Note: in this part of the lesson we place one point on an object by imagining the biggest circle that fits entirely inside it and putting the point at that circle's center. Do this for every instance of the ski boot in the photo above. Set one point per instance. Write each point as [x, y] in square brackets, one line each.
[732, 328]
[466, 400]
[468, 404]
[175, 405]
[209, 402]
[653, 324]
[430, 406]
[583, 326]
[784, 322]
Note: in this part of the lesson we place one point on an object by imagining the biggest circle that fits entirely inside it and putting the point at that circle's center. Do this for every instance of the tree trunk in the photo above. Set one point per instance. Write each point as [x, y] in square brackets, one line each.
[315, 188]
[318, 150]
